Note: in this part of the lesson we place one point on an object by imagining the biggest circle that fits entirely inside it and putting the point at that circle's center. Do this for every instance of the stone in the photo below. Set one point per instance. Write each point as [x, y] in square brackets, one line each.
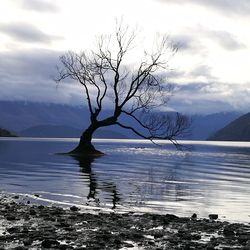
[171, 217]
[194, 216]
[117, 242]
[228, 231]
[210, 247]
[32, 212]
[243, 238]
[186, 247]
[48, 243]
[65, 247]
[27, 242]
[10, 217]
[74, 208]
[128, 245]
[12, 230]
[213, 216]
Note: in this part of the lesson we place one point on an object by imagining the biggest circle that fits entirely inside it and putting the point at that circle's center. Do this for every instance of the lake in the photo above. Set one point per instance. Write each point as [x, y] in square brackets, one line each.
[133, 175]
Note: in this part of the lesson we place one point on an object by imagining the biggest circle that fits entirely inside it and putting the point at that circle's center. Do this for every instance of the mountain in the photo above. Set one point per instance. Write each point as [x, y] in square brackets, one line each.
[5, 133]
[51, 131]
[109, 134]
[204, 126]
[18, 116]
[237, 130]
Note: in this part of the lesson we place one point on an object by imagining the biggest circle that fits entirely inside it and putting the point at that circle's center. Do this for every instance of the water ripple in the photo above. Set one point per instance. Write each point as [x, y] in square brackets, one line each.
[134, 175]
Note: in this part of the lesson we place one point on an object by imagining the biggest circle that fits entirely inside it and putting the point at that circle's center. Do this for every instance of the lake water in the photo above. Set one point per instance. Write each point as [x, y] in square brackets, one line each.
[133, 175]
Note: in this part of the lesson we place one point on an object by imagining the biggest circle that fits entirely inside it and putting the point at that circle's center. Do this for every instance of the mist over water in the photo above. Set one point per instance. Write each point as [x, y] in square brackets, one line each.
[133, 175]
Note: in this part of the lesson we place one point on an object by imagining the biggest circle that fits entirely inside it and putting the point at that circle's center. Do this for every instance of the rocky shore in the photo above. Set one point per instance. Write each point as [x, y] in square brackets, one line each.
[27, 226]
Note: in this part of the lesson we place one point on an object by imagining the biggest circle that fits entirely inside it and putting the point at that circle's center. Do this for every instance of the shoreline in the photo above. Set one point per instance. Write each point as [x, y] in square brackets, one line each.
[28, 226]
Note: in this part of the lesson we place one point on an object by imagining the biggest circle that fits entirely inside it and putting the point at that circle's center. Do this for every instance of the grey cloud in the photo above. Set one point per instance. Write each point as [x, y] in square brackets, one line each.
[209, 95]
[186, 42]
[174, 75]
[29, 63]
[39, 5]
[198, 97]
[225, 39]
[230, 6]
[199, 71]
[28, 75]
[190, 87]
[199, 106]
[206, 89]
[202, 70]
[182, 41]
[194, 41]
[26, 32]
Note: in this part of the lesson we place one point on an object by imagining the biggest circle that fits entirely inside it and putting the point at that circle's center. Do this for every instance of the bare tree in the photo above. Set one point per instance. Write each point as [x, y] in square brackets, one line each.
[136, 93]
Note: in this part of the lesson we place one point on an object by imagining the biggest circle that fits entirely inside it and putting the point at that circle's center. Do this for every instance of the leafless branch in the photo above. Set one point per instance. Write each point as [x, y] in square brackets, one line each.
[137, 93]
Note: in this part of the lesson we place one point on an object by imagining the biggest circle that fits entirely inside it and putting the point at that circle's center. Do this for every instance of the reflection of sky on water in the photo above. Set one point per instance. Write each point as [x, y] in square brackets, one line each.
[133, 175]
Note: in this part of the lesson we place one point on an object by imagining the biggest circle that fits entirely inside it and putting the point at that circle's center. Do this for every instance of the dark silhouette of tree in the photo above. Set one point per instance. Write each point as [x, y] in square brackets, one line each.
[136, 92]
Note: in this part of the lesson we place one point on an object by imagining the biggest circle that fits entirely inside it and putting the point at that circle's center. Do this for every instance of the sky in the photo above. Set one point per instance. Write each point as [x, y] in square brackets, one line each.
[210, 72]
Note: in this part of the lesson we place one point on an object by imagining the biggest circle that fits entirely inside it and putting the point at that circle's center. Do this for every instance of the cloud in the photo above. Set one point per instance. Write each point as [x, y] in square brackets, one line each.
[199, 91]
[199, 97]
[28, 75]
[192, 39]
[38, 5]
[186, 42]
[225, 39]
[230, 6]
[24, 32]
[202, 70]
[32, 64]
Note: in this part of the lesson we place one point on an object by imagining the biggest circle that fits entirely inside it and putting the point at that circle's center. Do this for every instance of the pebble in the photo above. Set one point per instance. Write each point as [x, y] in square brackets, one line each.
[228, 231]
[10, 217]
[27, 242]
[194, 216]
[74, 208]
[48, 243]
[48, 226]
[32, 212]
[213, 216]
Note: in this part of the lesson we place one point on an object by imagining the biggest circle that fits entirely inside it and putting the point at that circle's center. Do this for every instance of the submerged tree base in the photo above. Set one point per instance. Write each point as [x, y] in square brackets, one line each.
[86, 150]
[85, 153]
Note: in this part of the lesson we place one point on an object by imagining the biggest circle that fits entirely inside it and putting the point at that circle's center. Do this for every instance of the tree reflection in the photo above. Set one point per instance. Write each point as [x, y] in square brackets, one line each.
[85, 164]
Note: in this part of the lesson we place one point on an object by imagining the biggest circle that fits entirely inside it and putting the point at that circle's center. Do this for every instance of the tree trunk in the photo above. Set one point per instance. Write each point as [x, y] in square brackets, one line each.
[85, 146]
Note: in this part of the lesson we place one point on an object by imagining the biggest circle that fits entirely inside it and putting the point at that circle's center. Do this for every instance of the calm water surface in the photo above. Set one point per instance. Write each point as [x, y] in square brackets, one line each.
[134, 175]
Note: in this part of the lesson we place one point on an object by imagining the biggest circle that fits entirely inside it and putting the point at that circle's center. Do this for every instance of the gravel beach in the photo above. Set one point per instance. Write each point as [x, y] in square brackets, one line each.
[29, 226]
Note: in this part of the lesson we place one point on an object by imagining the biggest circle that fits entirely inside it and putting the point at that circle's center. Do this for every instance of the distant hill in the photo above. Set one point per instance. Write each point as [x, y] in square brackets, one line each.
[18, 116]
[109, 134]
[237, 130]
[5, 133]
[51, 131]
[205, 125]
